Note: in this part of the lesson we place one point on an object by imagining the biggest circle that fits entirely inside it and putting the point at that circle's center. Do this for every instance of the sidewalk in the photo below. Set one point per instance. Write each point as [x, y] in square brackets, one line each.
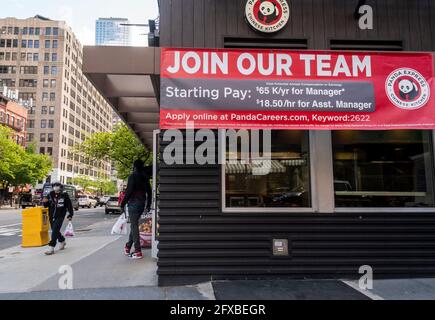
[101, 272]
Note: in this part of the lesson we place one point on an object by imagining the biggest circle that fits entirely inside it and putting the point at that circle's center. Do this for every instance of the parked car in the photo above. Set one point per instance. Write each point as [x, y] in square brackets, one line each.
[112, 205]
[87, 202]
[26, 200]
[102, 200]
[71, 190]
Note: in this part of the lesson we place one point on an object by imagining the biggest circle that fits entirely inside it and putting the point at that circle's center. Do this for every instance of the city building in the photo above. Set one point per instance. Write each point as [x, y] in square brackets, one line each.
[111, 32]
[42, 59]
[14, 116]
[338, 200]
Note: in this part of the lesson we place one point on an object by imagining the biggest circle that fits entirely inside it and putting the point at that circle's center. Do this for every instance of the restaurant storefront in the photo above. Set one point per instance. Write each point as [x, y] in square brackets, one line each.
[351, 113]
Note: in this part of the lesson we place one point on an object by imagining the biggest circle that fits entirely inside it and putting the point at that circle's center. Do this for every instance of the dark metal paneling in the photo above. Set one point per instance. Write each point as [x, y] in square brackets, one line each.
[198, 242]
[205, 23]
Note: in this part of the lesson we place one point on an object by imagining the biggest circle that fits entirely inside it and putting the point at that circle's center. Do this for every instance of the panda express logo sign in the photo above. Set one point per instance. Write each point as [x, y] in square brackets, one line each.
[407, 89]
[267, 16]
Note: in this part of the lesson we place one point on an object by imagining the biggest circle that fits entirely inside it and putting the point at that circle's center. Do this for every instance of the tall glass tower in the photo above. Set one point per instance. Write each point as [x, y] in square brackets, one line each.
[111, 32]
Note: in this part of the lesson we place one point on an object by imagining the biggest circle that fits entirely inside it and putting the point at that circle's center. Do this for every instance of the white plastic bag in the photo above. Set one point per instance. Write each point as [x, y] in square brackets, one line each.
[69, 231]
[120, 226]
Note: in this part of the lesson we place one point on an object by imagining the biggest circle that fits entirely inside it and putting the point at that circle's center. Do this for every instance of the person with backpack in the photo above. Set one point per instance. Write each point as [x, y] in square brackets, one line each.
[138, 197]
[59, 204]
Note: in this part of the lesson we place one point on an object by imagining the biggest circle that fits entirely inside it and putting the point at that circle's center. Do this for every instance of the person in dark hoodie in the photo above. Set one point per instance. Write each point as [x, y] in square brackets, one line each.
[58, 203]
[138, 196]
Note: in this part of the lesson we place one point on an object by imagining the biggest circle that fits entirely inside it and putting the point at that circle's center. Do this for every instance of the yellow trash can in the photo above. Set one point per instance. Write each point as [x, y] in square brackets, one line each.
[35, 227]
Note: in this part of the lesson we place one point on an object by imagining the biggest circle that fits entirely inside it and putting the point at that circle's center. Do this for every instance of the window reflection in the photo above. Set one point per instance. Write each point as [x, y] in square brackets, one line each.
[287, 184]
[383, 168]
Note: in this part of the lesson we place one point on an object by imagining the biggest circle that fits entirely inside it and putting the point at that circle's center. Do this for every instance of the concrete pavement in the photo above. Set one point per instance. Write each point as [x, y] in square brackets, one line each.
[101, 272]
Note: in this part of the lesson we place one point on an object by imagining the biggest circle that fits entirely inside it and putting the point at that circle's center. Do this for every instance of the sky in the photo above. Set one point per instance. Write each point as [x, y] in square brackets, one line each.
[81, 14]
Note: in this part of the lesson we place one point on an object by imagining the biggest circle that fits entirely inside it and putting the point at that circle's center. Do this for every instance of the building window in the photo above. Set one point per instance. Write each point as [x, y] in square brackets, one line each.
[31, 124]
[42, 150]
[50, 124]
[54, 71]
[51, 110]
[55, 31]
[46, 57]
[36, 57]
[45, 83]
[391, 169]
[43, 124]
[30, 137]
[45, 96]
[30, 44]
[36, 44]
[54, 57]
[52, 96]
[42, 137]
[50, 137]
[50, 151]
[46, 69]
[48, 31]
[287, 185]
[47, 44]
[55, 44]
[23, 43]
[44, 110]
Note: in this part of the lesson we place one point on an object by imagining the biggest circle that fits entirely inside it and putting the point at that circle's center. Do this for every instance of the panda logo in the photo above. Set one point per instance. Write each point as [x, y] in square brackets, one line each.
[408, 90]
[268, 12]
[267, 16]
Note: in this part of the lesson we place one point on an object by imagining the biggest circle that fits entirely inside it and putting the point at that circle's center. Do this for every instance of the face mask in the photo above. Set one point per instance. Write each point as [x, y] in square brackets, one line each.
[56, 189]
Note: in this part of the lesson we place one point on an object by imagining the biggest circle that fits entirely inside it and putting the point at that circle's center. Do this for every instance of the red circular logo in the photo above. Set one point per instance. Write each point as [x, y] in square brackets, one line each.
[407, 89]
[268, 12]
[267, 15]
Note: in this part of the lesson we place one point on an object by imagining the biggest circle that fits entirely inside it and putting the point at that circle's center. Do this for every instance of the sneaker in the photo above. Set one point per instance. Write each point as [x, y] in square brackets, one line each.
[127, 251]
[62, 246]
[136, 255]
[50, 251]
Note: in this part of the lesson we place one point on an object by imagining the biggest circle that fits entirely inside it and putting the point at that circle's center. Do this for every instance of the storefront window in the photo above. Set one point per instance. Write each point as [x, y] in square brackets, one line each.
[286, 186]
[383, 168]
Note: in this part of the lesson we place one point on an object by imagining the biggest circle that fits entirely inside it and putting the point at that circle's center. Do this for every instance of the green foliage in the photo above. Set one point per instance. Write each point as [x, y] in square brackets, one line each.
[108, 187]
[100, 186]
[20, 166]
[120, 146]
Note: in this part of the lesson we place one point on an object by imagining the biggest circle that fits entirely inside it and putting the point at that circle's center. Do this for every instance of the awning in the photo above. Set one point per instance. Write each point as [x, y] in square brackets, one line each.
[237, 167]
[128, 77]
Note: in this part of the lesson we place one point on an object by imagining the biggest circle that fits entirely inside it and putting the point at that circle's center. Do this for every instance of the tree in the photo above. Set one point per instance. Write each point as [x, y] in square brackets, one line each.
[107, 187]
[120, 146]
[20, 166]
[85, 182]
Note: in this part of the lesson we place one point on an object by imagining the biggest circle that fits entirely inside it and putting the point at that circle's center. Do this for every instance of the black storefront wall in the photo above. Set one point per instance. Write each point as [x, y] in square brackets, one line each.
[199, 242]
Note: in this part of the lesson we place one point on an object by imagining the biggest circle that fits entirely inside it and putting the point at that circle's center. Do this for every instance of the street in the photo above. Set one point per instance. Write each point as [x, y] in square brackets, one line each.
[10, 224]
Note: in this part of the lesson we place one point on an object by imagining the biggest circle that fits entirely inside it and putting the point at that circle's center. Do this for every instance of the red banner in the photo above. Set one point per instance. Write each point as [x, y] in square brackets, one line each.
[305, 90]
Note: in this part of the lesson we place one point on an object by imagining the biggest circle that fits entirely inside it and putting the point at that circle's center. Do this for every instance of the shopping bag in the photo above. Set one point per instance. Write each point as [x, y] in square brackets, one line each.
[145, 240]
[120, 227]
[69, 231]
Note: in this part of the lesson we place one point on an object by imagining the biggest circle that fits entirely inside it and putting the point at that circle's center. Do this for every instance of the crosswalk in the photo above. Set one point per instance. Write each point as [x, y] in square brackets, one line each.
[10, 230]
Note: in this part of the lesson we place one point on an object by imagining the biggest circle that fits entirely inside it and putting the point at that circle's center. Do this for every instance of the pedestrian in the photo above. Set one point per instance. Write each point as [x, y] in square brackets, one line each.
[58, 203]
[121, 195]
[138, 198]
